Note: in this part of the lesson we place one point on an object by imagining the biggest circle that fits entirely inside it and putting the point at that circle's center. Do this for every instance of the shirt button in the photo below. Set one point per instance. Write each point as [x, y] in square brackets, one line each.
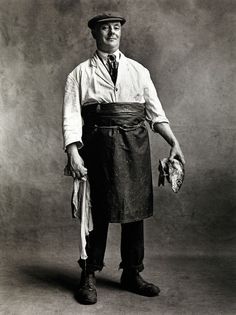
[116, 89]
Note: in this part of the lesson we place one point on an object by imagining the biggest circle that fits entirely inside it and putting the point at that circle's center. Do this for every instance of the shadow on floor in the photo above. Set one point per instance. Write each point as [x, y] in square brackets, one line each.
[50, 275]
[59, 277]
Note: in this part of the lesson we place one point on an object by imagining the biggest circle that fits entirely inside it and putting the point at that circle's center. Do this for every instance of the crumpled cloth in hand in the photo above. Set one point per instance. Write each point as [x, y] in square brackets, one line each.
[173, 171]
[81, 208]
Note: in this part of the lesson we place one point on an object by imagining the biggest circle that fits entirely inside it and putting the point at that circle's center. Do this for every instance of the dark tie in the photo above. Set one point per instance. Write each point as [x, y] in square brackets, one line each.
[113, 67]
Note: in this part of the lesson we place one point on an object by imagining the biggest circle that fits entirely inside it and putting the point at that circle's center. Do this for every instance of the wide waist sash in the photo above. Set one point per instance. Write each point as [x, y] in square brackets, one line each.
[113, 115]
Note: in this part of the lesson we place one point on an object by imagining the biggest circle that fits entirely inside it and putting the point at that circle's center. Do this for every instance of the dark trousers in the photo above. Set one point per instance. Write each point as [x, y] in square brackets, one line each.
[132, 246]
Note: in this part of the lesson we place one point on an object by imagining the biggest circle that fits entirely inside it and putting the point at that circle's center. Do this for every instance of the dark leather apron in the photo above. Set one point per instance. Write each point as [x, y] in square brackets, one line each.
[116, 153]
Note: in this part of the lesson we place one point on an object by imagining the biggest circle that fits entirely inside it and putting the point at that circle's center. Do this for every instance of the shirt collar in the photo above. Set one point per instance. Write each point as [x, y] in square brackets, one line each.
[104, 55]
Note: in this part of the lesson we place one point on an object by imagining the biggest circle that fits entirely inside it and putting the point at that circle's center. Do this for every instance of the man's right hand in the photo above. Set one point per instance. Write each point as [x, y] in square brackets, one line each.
[76, 163]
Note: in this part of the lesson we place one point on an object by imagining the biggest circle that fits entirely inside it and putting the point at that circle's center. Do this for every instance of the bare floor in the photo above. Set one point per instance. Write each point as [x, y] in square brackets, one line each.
[45, 284]
[39, 275]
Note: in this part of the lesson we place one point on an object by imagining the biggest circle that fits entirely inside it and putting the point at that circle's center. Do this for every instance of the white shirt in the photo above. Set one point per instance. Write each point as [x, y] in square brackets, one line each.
[90, 82]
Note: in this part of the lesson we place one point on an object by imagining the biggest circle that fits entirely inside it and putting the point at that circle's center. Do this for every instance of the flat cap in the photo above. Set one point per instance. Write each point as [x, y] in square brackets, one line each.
[106, 17]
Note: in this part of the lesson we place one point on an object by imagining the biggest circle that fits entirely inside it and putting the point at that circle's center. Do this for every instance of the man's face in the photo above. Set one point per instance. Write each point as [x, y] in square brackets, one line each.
[107, 36]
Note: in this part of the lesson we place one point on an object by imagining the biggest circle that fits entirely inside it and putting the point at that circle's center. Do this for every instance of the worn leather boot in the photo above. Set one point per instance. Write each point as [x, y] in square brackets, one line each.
[87, 293]
[133, 282]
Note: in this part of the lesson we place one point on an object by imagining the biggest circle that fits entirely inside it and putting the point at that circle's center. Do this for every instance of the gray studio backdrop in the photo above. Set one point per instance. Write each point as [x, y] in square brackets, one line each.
[189, 48]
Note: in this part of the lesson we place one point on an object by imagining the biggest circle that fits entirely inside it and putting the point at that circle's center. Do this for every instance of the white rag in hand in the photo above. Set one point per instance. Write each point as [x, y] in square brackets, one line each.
[82, 209]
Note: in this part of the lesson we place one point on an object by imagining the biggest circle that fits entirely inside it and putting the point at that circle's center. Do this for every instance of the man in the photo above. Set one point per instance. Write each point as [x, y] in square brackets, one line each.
[112, 96]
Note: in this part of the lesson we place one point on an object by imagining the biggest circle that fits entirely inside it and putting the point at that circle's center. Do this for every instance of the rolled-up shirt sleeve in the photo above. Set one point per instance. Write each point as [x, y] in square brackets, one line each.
[72, 120]
[154, 110]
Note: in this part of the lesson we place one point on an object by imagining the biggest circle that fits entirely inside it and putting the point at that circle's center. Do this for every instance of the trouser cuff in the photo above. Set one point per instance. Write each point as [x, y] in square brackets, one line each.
[88, 267]
[138, 268]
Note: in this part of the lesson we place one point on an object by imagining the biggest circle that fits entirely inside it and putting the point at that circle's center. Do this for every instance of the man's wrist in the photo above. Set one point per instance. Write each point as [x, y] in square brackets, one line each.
[174, 143]
[72, 147]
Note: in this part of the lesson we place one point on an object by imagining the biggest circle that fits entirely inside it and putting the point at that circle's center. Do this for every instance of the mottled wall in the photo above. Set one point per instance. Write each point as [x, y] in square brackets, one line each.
[189, 47]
